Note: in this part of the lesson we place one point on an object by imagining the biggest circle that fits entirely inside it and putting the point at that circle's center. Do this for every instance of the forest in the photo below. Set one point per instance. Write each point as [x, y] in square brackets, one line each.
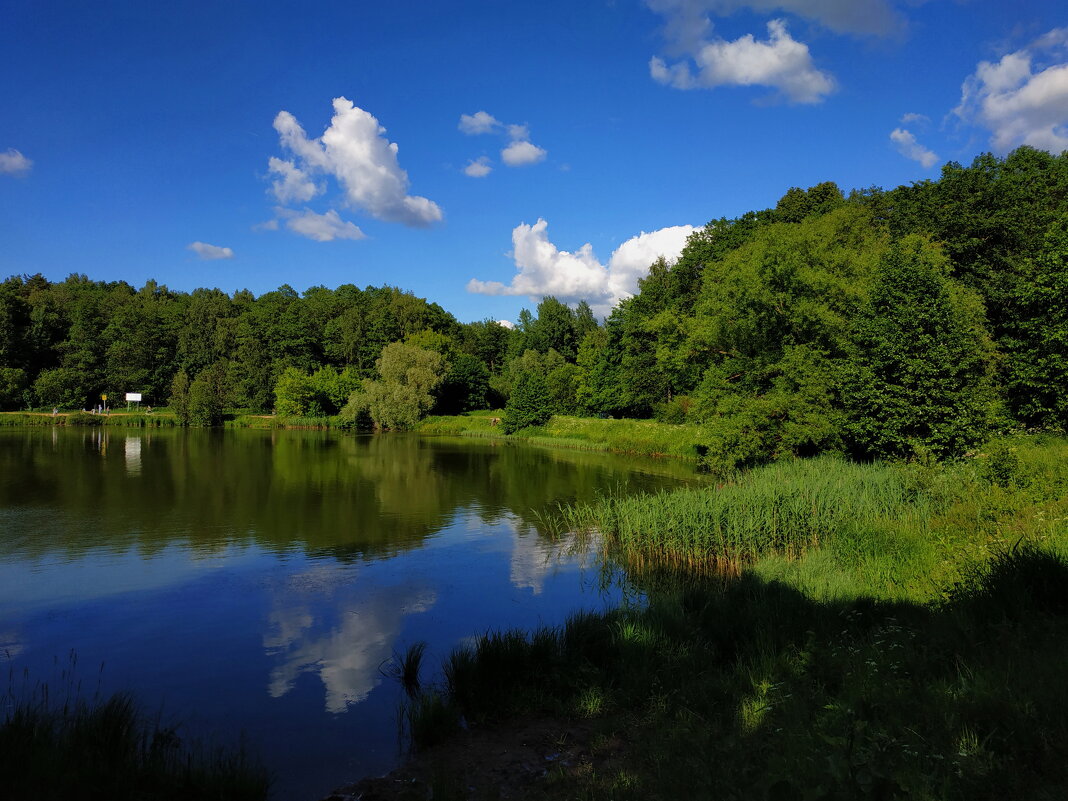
[875, 323]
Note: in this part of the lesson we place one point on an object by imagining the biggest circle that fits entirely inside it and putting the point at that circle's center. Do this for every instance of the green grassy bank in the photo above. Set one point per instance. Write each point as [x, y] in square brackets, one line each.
[156, 419]
[814, 630]
[637, 437]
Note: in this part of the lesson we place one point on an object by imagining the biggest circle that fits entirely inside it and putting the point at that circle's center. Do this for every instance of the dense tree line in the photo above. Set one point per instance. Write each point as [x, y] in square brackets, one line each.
[913, 320]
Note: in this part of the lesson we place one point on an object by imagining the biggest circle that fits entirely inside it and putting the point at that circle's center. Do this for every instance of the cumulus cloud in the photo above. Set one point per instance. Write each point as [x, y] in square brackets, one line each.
[12, 162]
[320, 227]
[779, 62]
[293, 185]
[506, 323]
[908, 147]
[519, 154]
[478, 123]
[544, 269]
[1022, 99]
[210, 252]
[355, 152]
[478, 168]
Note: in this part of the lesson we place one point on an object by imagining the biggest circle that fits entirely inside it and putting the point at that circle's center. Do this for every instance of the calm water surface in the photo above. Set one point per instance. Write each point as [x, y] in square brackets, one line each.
[253, 583]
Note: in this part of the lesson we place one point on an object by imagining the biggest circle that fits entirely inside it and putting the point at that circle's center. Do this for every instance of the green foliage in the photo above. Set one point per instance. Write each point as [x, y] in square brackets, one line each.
[405, 392]
[179, 397]
[208, 396]
[1038, 365]
[65, 387]
[294, 393]
[465, 387]
[922, 377]
[13, 384]
[529, 405]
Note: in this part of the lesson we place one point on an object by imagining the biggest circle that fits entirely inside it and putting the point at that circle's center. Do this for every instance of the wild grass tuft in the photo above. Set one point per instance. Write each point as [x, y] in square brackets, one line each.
[106, 749]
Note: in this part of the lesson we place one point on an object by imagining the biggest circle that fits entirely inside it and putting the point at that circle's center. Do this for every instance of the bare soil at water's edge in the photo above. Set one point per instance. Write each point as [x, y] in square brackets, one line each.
[515, 760]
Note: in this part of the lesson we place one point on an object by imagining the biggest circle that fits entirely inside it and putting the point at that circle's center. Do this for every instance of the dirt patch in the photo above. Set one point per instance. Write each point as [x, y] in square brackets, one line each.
[513, 762]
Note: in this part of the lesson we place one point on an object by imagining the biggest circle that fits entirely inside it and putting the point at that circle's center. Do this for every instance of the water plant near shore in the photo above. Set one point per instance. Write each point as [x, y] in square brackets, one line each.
[785, 509]
[62, 746]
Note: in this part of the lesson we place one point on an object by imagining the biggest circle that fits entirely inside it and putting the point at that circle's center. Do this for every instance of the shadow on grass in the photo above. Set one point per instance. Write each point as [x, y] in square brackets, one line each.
[743, 688]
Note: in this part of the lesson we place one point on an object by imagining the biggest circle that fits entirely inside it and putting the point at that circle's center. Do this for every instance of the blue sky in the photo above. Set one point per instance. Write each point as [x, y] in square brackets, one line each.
[241, 144]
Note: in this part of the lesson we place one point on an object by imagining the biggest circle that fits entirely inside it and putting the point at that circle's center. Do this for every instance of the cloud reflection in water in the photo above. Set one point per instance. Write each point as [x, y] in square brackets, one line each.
[346, 647]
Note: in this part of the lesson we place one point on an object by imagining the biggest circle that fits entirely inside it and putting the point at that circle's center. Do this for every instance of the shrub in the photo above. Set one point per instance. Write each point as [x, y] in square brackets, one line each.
[529, 405]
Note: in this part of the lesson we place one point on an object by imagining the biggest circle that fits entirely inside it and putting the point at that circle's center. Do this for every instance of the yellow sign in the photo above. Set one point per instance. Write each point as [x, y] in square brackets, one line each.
[103, 397]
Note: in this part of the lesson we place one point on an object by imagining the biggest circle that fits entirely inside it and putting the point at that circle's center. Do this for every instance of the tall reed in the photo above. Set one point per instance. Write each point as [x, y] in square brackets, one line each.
[783, 509]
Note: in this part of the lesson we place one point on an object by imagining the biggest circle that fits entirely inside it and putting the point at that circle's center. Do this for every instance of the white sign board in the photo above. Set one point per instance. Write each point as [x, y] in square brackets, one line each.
[133, 396]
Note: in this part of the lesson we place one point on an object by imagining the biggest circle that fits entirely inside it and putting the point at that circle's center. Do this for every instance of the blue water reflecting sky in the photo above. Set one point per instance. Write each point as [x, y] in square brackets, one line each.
[238, 631]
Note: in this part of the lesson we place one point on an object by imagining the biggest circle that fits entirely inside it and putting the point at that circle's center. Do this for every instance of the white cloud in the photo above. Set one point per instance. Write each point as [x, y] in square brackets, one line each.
[519, 154]
[320, 227]
[210, 252]
[908, 147]
[295, 185]
[780, 62]
[478, 168]
[686, 18]
[631, 260]
[544, 269]
[912, 118]
[12, 162]
[478, 123]
[1023, 98]
[354, 150]
[506, 323]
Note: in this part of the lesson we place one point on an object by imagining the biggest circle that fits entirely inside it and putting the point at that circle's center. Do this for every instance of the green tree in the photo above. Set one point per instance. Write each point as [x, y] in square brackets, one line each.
[465, 386]
[1038, 366]
[529, 405]
[179, 398]
[65, 387]
[405, 392]
[294, 393]
[13, 384]
[922, 375]
[208, 396]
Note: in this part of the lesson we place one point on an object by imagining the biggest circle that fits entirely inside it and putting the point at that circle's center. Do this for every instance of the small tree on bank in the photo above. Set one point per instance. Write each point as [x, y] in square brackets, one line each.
[179, 400]
[529, 405]
[405, 393]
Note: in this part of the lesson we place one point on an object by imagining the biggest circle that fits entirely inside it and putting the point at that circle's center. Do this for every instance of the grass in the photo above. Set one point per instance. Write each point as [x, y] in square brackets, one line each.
[634, 437]
[816, 629]
[786, 509]
[78, 418]
[106, 749]
[736, 687]
[273, 421]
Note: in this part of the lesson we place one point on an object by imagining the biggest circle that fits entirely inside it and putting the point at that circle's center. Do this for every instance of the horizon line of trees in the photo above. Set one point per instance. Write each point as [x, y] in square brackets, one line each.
[882, 322]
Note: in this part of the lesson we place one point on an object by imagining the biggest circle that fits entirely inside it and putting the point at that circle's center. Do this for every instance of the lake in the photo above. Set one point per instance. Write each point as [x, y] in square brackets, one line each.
[255, 583]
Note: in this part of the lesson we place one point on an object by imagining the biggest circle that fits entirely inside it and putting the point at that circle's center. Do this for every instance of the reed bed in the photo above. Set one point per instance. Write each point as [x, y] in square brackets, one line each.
[785, 509]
